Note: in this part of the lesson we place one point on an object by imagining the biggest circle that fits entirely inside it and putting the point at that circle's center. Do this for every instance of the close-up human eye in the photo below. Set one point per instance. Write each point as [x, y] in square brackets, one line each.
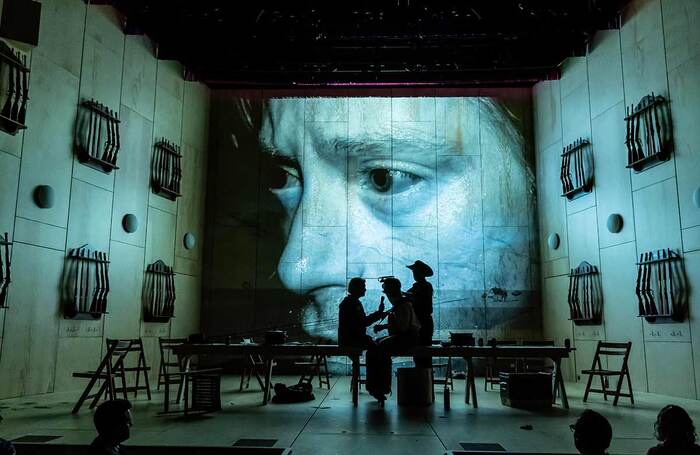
[282, 177]
[387, 181]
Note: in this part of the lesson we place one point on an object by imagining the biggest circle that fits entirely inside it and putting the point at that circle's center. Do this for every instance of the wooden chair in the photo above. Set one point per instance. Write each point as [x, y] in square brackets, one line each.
[447, 379]
[493, 368]
[317, 365]
[534, 365]
[202, 391]
[112, 367]
[610, 349]
[254, 365]
[168, 360]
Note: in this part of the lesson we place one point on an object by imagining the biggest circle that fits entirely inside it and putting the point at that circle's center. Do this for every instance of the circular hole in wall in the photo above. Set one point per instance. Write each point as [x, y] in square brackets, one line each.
[44, 196]
[553, 241]
[696, 197]
[189, 240]
[130, 223]
[615, 223]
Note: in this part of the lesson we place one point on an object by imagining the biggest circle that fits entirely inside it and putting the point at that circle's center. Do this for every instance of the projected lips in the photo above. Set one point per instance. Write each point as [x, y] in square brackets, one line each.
[368, 185]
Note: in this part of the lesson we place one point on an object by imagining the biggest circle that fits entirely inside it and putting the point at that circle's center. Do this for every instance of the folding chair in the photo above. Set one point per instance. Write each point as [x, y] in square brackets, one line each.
[168, 360]
[493, 368]
[317, 365]
[202, 391]
[254, 365]
[111, 367]
[610, 349]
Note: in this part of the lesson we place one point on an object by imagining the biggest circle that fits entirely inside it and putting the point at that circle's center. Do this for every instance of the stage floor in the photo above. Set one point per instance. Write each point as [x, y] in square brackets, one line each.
[330, 425]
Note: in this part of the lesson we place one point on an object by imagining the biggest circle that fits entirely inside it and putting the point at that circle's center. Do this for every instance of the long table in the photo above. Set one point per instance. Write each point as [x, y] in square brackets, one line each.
[468, 353]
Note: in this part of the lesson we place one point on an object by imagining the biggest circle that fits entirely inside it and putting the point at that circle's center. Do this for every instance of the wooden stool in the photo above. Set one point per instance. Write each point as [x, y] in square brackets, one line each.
[610, 349]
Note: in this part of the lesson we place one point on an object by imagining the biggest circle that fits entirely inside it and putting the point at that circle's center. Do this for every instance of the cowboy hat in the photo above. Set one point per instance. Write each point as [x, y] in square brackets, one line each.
[421, 267]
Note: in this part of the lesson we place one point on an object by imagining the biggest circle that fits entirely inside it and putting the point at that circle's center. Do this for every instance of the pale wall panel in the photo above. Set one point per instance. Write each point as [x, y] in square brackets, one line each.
[9, 178]
[656, 217]
[47, 155]
[670, 369]
[76, 354]
[547, 112]
[31, 322]
[139, 80]
[131, 184]
[125, 298]
[612, 179]
[681, 33]
[684, 85]
[160, 237]
[61, 33]
[89, 216]
[187, 306]
[605, 71]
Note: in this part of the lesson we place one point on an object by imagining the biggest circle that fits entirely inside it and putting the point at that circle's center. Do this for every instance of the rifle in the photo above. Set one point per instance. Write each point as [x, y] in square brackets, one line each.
[96, 292]
[569, 297]
[658, 129]
[14, 114]
[628, 136]
[577, 302]
[665, 308]
[25, 94]
[116, 138]
[7, 279]
[670, 282]
[108, 143]
[7, 108]
[652, 302]
[638, 143]
[638, 288]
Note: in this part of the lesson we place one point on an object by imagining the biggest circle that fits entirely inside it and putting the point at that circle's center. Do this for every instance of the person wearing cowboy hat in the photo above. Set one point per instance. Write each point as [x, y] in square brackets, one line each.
[421, 296]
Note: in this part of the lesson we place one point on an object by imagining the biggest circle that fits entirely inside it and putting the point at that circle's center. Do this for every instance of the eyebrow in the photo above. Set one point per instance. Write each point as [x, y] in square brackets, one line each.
[419, 146]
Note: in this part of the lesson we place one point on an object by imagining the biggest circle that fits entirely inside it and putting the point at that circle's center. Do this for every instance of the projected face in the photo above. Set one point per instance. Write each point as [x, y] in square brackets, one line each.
[369, 185]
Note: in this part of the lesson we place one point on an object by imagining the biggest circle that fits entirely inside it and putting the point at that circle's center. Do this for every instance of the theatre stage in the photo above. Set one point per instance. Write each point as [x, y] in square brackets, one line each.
[331, 425]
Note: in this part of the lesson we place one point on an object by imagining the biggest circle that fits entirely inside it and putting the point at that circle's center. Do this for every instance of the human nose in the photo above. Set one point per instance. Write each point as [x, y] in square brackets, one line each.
[315, 255]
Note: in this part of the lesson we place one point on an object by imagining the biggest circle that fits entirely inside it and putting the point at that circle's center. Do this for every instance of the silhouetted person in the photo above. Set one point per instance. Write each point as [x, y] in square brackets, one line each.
[352, 319]
[675, 429]
[421, 296]
[403, 327]
[6, 448]
[592, 433]
[112, 421]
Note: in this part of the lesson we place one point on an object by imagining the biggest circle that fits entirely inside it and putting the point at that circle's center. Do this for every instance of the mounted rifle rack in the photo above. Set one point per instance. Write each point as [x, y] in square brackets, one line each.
[159, 293]
[5, 278]
[576, 182]
[85, 283]
[166, 169]
[98, 140]
[661, 286]
[15, 89]
[585, 296]
[653, 145]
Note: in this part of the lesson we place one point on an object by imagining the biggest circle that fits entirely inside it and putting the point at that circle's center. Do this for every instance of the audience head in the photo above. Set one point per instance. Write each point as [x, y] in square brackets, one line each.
[6, 448]
[392, 289]
[592, 433]
[113, 420]
[674, 425]
[357, 287]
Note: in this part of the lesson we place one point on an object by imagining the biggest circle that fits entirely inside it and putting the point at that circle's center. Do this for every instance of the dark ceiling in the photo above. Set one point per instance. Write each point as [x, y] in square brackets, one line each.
[258, 43]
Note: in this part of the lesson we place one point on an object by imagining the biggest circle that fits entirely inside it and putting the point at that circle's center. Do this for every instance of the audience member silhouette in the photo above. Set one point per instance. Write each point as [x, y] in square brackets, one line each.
[352, 320]
[675, 430]
[421, 297]
[403, 327]
[592, 433]
[6, 448]
[112, 421]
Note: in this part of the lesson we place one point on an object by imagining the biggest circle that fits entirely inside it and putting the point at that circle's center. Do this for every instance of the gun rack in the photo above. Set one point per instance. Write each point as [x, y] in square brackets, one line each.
[98, 136]
[576, 169]
[661, 286]
[166, 169]
[651, 145]
[5, 277]
[159, 293]
[15, 89]
[86, 283]
[585, 296]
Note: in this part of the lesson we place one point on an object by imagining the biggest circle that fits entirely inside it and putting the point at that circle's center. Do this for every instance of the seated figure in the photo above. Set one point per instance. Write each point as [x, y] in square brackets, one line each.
[675, 430]
[592, 433]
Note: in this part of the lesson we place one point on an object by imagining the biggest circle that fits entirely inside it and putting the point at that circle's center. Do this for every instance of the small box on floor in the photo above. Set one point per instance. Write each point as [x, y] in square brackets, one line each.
[526, 390]
[415, 386]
